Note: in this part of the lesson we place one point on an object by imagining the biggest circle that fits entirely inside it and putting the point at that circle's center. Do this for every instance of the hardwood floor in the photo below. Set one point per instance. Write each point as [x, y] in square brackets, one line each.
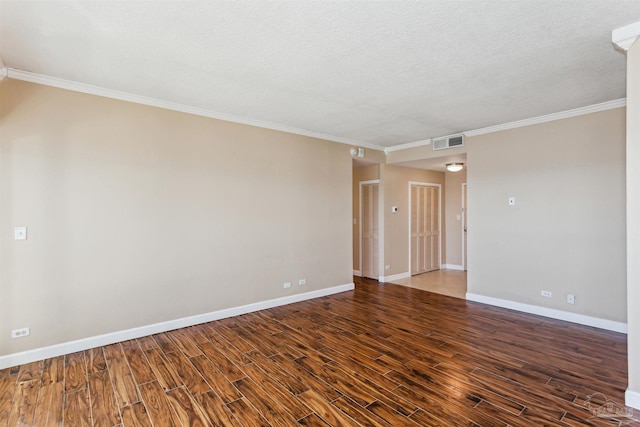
[383, 355]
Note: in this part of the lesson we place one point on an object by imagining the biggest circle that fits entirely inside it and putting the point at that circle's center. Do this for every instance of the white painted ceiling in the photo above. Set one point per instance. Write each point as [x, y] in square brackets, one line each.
[382, 73]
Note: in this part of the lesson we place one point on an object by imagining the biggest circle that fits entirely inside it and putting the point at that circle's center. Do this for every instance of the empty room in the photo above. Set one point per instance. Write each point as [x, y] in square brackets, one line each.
[319, 213]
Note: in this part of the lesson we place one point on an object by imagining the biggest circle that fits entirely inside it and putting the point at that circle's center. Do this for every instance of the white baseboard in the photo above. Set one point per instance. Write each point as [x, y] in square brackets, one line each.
[394, 277]
[453, 267]
[632, 399]
[357, 273]
[581, 319]
[28, 356]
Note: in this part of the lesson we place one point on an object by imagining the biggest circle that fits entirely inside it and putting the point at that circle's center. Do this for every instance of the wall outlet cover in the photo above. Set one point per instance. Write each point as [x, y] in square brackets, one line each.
[19, 333]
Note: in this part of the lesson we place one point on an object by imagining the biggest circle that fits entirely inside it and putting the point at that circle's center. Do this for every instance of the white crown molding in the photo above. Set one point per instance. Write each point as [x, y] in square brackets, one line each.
[618, 103]
[567, 316]
[124, 96]
[626, 36]
[28, 356]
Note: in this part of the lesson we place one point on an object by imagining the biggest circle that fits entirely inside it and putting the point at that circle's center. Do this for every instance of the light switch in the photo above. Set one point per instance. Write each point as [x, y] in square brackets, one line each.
[394, 209]
[20, 233]
[457, 217]
[512, 201]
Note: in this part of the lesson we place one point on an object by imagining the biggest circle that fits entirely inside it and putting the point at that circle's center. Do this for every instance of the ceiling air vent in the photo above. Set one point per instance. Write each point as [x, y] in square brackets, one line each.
[448, 142]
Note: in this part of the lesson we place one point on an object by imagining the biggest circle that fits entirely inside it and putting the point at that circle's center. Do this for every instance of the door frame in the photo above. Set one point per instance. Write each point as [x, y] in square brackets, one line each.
[360, 184]
[426, 184]
[465, 243]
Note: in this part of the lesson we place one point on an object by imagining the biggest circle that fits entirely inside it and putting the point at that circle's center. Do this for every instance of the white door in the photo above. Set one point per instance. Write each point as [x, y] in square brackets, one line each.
[464, 226]
[369, 221]
[425, 228]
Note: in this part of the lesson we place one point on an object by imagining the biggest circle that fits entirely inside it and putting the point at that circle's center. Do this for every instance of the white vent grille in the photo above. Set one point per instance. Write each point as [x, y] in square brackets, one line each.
[448, 142]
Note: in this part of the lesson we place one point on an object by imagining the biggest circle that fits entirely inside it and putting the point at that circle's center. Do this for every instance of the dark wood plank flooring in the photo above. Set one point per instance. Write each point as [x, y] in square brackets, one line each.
[383, 355]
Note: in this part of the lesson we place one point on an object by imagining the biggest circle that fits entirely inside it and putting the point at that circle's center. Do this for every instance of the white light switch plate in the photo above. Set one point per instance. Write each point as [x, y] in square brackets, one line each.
[20, 233]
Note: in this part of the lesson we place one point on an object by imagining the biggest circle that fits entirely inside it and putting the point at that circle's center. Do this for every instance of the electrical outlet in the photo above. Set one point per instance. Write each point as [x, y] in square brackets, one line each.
[386, 267]
[546, 294]
[571, 299]
[302, 282]
[287, 285]
[19, 333]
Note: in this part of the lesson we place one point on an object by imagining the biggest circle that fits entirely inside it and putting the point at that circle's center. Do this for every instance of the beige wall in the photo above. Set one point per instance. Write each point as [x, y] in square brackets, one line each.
[633, 219]
[360, 173]
[566, 233]
[453, 209]
[396, 225]
[138, 215]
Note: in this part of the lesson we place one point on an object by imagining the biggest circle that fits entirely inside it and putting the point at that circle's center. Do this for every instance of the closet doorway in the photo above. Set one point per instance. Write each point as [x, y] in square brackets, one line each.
[369, 229]
[424, 227]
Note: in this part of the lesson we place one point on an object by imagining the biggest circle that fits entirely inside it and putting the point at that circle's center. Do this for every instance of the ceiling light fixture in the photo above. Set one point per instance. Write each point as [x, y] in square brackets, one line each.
[454, 167]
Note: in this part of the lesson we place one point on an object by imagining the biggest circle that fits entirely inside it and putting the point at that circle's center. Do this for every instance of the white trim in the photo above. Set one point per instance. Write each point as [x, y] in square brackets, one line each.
[581, 319]
[357, 273]
[550, 117]
[426, 184]
[624, 37]
[394, 277]
[28, 356]
[617, 103]
[407, 145]
[123, 96]
[4, 72]
[632, 399]
[453, 267]
[138, 99]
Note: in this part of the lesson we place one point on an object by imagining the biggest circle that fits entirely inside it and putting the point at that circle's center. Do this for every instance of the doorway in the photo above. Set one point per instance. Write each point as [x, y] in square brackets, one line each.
[424, 227]
[464, 226]
[369, 229]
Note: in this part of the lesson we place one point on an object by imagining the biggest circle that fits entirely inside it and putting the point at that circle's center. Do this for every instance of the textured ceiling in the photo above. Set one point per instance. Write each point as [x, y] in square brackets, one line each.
[382, 73]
